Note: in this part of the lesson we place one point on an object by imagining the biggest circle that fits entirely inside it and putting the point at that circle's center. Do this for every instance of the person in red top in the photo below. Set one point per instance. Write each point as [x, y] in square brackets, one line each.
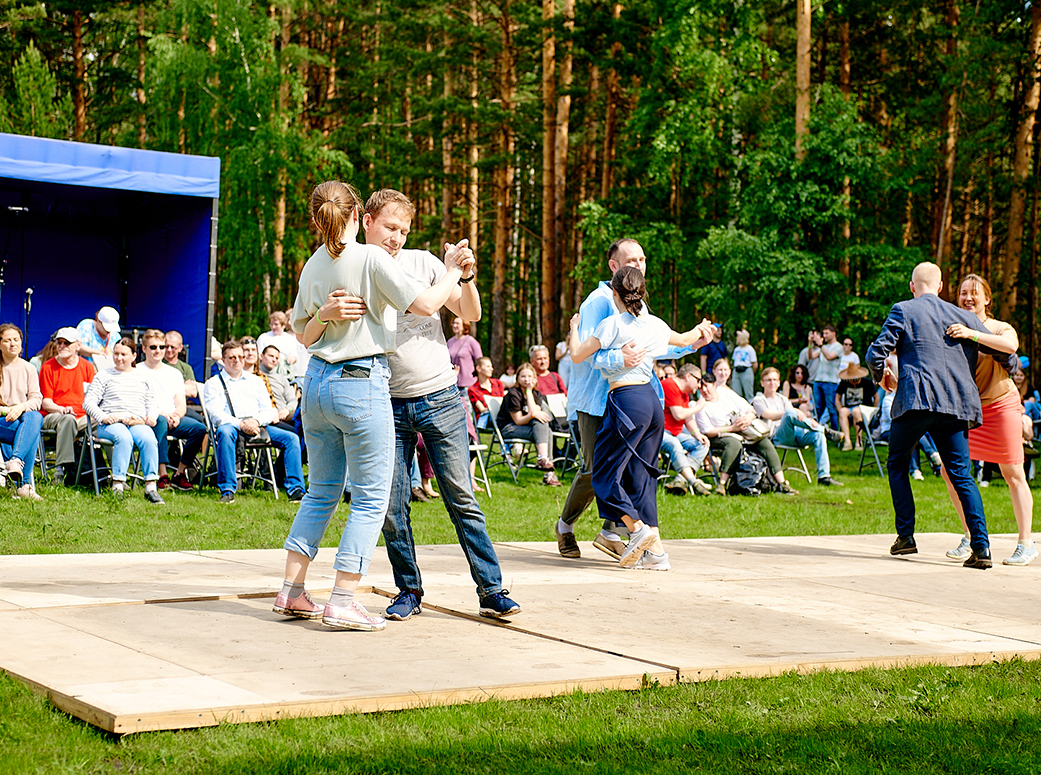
[61, 382]
[683, 444]
[486, 385]
[548, 382]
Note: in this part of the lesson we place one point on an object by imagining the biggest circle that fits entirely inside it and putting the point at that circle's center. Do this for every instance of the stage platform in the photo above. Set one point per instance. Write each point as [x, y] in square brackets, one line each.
[136, 642]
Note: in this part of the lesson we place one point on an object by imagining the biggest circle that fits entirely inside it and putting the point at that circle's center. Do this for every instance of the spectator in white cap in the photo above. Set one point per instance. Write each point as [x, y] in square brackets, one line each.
[61, 383]
[98, 337]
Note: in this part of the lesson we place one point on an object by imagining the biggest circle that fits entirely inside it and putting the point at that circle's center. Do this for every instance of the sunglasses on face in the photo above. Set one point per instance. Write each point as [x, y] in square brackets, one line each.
[154, 347]
[249, 341]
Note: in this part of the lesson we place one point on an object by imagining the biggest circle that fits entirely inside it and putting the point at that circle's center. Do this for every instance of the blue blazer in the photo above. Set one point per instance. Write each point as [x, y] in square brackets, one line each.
[937, 373]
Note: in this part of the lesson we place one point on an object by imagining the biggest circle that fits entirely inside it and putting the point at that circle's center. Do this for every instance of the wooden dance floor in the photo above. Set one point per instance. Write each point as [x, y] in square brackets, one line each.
[135, 642]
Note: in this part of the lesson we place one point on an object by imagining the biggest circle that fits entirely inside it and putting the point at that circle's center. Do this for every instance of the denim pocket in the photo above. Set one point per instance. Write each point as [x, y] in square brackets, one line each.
[351, 398]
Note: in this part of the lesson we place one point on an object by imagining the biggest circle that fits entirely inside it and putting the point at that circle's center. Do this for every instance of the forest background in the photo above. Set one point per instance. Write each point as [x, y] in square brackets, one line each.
[783, 165]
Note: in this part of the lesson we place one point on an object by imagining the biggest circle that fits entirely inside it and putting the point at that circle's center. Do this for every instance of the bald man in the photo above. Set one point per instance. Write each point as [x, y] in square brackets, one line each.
[935, 394]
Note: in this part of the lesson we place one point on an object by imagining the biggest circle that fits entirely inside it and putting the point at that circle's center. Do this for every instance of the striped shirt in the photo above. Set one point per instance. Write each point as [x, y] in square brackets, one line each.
[124, 393]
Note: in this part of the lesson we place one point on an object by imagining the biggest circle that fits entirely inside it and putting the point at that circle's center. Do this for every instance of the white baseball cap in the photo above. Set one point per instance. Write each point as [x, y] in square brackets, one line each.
[109, 319]
[68, 333]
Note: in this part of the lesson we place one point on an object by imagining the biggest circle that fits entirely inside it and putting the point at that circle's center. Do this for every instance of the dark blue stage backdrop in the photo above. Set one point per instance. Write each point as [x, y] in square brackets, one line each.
[83, 226]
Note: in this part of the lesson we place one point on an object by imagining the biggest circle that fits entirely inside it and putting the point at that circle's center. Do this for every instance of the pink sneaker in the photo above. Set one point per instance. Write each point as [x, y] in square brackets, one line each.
[352, 617]
[302, 607]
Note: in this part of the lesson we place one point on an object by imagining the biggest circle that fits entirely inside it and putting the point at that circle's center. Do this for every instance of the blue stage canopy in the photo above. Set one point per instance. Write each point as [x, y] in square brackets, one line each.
[84, 226]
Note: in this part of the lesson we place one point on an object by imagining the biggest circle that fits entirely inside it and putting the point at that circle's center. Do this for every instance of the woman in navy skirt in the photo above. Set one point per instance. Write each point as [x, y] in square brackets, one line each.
[625, 467]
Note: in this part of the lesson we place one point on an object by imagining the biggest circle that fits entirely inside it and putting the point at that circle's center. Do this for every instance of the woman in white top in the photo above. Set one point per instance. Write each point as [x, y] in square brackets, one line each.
[625, 457]
[345, 405]
[120, 400]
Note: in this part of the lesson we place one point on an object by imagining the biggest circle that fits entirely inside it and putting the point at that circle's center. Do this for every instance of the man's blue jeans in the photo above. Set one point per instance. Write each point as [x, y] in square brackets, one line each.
[824, 401]
[287, 441]
[951, 437]
[21, 437]
[346, 419]
[683, 451]
[190, 430]
[793, 431]
[124, 439]
[441, 418]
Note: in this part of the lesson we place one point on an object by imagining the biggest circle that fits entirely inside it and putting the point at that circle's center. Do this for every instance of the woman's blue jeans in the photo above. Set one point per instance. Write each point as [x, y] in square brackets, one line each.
[124, 439]
[347, 421]
[19, 438]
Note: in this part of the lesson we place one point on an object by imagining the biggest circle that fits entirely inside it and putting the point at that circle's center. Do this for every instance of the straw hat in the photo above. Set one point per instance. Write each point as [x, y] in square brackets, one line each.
[853, 371]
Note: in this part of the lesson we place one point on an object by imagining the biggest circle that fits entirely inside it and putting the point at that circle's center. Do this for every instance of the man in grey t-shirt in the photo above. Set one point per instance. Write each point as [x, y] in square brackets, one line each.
[426, 401]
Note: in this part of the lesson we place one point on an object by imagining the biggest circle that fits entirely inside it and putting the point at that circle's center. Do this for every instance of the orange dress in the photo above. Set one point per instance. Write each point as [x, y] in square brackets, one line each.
[999, 439]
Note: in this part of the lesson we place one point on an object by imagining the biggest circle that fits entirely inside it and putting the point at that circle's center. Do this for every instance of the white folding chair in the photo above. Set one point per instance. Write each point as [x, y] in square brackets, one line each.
[505, 445]
[801, 468]
[867, 413]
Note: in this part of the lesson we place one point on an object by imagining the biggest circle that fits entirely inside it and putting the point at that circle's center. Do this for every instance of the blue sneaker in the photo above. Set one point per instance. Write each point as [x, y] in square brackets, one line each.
[404, 606]
[498, 605]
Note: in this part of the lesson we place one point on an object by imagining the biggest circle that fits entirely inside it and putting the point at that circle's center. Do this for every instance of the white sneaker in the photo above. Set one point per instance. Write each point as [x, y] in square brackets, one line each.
[984, 483]
[352, 617]
[638, 543]
[917, 475]
[651, 561]
[26, 491]
[962, 552]
[1024, 555]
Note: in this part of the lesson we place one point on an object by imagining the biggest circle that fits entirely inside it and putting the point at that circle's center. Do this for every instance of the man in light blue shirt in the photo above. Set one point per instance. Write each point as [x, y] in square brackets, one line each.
[587, 400]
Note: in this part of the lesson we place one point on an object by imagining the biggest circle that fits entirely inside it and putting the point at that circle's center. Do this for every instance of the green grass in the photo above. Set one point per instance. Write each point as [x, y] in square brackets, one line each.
[927, 719]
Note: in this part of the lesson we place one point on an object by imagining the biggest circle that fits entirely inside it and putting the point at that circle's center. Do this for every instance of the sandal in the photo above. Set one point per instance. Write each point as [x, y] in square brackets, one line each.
[544, 464]
[550, 479]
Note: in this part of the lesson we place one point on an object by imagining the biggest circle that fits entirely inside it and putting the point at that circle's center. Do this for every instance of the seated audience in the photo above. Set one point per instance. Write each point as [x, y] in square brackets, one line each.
[171, 418]
[238, 402]
[509, 377]
[285, 341]
[121, 401]
[62, 380]
[21, 421]
[722, 419]
[854, 389]
[523, 415]
[791, 427]
[798, 390]
[714, 350]
[172, 357]
[548, 382]
[281, 392]
[47, 352]
[683, 444]
[486, 385]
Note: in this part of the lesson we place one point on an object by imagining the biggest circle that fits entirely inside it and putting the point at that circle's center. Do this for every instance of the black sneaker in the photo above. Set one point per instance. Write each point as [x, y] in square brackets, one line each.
[498, 605]
[296, 495]
[903, 545]
[786, 489]
[227, 497]
[979, 559]
[827, 481]
[153, 496]
[833, 435]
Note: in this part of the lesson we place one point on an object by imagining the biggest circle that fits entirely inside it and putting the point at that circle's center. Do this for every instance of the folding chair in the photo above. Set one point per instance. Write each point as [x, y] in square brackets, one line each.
[801, 468]
[256, 452]
[94, 443]
[478, 448]
[557, 403]
[867, 413]
[505, 445]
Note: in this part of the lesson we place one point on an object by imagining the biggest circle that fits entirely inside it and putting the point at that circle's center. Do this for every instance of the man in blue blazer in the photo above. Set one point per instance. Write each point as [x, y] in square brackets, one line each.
[936, 394]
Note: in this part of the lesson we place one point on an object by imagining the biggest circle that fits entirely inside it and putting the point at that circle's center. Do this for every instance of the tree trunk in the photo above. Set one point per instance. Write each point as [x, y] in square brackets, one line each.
[949, 128]
[471, 137]
[611, 109]
[1024, 148]
[504, 180]
[79, 85]
[564, 257]
[447, 202]
[142, 47]
[847, 191]
[550, 267]
[802, 75]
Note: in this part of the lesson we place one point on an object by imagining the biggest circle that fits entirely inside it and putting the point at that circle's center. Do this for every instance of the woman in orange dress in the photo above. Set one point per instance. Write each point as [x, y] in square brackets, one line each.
[999, 438]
